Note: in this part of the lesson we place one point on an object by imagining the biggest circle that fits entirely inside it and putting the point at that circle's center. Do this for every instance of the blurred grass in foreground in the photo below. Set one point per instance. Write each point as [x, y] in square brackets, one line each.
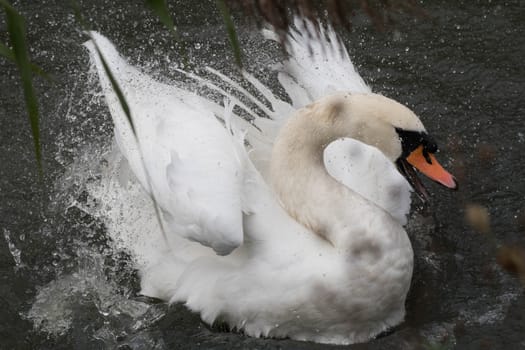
[230, 29]
[124, 105]
[19, 54]
[160, 8]
[510, 257]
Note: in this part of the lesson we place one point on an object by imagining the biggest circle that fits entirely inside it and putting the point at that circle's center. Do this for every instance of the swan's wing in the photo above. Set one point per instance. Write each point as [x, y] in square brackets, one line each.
[319, 65]
[367, 171]
[184, 157]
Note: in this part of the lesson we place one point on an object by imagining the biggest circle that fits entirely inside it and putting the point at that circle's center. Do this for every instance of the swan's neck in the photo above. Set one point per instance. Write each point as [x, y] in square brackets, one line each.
[306, 190]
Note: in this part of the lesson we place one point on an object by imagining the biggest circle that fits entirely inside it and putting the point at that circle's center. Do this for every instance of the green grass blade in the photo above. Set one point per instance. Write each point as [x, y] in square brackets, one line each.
[160, 8]
[39, 71]
[78, 14]
[125, 107]
[114, 85]
[232, 33]
[16, 30]
[116, 88]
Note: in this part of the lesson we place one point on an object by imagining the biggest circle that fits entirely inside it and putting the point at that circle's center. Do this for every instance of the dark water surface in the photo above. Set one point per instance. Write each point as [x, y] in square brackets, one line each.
[462, 71]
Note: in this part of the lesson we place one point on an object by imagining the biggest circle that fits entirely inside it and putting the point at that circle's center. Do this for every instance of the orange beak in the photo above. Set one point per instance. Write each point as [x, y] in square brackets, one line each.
[427, 164]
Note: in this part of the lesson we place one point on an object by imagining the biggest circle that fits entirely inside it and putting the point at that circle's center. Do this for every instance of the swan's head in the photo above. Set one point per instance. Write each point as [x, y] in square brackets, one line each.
[389, 126]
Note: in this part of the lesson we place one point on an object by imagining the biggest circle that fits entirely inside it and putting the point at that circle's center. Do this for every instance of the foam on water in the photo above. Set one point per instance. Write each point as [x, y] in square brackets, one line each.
[15, 252]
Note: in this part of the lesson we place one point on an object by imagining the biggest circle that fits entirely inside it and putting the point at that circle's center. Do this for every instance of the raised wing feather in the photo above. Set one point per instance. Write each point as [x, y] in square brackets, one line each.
[318, 65]
[184, 157]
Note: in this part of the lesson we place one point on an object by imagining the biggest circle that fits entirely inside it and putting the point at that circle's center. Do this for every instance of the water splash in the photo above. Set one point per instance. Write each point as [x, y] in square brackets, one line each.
[60, 304]
[53, 308]
[97, 286]
[15, 252]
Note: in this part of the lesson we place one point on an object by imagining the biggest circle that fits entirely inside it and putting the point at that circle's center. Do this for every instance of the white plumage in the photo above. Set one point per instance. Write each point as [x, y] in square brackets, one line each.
[312, 239]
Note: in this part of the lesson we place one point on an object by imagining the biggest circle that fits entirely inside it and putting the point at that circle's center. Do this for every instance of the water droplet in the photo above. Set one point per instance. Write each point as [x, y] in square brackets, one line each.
[521, 137]
[396, 35]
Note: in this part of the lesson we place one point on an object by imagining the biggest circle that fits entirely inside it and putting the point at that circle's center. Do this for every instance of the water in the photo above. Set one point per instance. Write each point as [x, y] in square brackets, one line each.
[66, 285]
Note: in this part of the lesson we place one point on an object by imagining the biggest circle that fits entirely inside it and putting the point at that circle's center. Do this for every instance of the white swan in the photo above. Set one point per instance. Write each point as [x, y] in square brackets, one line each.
[306, 227]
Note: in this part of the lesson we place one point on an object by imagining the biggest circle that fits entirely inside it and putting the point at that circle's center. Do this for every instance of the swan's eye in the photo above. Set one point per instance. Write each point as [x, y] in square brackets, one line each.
[427, 156]
[429, 145]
